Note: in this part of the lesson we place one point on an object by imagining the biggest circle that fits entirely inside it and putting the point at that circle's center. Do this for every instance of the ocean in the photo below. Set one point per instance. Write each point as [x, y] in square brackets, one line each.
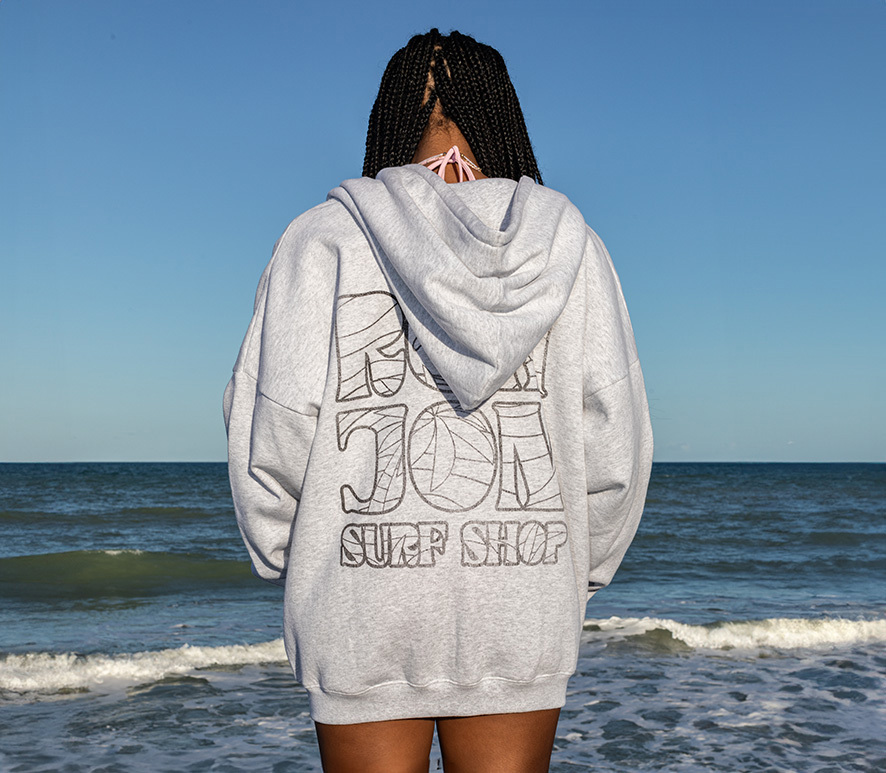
[745, 631]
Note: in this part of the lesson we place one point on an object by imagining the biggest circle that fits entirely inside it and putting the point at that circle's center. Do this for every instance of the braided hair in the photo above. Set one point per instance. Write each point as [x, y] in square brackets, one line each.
[471, 83]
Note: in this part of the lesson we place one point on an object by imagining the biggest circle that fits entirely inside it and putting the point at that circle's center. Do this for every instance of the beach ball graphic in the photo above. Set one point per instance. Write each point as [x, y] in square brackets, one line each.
[452, 457]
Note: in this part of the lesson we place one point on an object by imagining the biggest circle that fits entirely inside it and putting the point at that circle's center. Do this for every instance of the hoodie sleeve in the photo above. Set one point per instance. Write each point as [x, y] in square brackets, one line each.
[272, 401]
[617, 429]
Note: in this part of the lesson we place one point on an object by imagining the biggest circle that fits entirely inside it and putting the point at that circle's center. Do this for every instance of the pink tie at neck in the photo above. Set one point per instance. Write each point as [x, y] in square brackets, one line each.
[439, 162]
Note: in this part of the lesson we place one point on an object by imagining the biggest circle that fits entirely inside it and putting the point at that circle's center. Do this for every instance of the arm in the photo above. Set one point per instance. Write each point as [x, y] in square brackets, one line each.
[268, 449]
[272, 401]
[617, 428]
[618, 459]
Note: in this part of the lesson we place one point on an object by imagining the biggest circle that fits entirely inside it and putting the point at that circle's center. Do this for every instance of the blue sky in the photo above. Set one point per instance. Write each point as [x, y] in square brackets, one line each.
[730, 154]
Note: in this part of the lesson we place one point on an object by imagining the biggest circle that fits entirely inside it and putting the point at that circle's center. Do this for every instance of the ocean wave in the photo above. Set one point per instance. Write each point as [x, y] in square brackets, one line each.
[45, 672]
[82, 574]
[17, 516]
[174, 515]
[778, 633]
[97, 513]
[49, 673]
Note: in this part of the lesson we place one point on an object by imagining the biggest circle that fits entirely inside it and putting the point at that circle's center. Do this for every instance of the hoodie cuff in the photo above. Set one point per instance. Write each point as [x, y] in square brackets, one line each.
[280, 582]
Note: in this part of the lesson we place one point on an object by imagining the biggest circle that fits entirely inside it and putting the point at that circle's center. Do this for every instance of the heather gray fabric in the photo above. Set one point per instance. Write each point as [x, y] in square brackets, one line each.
[439, 443]
[478, 298]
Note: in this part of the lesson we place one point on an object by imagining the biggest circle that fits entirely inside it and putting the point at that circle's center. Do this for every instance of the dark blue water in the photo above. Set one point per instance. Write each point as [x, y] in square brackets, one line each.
[746, 629]
[759, 540]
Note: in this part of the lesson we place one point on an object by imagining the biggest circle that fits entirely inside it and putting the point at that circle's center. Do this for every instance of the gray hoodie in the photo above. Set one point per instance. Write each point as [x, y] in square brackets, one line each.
[439, 442]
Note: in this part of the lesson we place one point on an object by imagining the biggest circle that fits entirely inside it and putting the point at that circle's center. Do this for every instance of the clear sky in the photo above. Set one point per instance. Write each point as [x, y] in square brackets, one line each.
[730, 154]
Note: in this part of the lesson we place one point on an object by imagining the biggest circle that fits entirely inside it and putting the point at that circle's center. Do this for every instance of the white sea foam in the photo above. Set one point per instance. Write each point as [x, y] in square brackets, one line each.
[50, 672]
[126, 552]
[781, 633]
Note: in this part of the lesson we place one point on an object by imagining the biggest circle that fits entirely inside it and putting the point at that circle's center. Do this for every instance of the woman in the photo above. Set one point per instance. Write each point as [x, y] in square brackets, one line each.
[438, 433]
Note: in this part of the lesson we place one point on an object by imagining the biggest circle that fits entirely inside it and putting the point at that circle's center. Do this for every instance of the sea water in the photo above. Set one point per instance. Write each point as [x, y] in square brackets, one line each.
[745, 631]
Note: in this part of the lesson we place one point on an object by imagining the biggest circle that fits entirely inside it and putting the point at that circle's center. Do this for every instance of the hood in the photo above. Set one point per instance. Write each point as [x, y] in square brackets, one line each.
[481, 269]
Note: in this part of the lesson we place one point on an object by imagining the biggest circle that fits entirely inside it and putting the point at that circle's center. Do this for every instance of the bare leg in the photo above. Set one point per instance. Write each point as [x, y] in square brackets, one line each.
[395, 746]
[498, 743]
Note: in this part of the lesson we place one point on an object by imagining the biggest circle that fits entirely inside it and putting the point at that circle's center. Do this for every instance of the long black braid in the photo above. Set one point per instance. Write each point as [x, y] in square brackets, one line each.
[471, 81]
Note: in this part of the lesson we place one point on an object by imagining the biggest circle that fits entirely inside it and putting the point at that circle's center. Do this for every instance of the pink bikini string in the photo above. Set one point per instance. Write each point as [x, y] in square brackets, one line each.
[452, 156]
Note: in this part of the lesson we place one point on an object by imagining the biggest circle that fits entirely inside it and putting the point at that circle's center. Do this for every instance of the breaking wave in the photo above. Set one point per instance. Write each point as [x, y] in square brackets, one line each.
[83, 574]
[780, 633]
[48, 673]
[45, 672]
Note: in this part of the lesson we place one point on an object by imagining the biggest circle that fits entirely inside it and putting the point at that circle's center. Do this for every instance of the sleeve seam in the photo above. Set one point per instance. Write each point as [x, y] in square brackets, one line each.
[260, 393]
[245, 372]
[636, 361]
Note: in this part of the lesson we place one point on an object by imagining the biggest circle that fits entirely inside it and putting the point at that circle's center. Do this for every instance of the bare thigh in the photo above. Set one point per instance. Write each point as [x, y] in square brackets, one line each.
[393, 746]
[498, 743]
[491, 743]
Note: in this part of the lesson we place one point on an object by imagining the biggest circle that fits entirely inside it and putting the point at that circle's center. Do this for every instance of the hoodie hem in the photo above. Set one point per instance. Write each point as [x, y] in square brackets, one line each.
[443, 698]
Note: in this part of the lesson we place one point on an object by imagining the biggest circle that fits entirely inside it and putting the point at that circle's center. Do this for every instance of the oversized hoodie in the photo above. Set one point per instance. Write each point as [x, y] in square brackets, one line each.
[439, 442]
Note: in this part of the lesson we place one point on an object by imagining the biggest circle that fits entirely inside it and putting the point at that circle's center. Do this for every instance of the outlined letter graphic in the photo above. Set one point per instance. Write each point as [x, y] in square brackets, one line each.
[420, 366]
[383, 480]
[395, 545]
[370, 346]
[452, 457]
[509, 543]
[530, 376]
[528, 478]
